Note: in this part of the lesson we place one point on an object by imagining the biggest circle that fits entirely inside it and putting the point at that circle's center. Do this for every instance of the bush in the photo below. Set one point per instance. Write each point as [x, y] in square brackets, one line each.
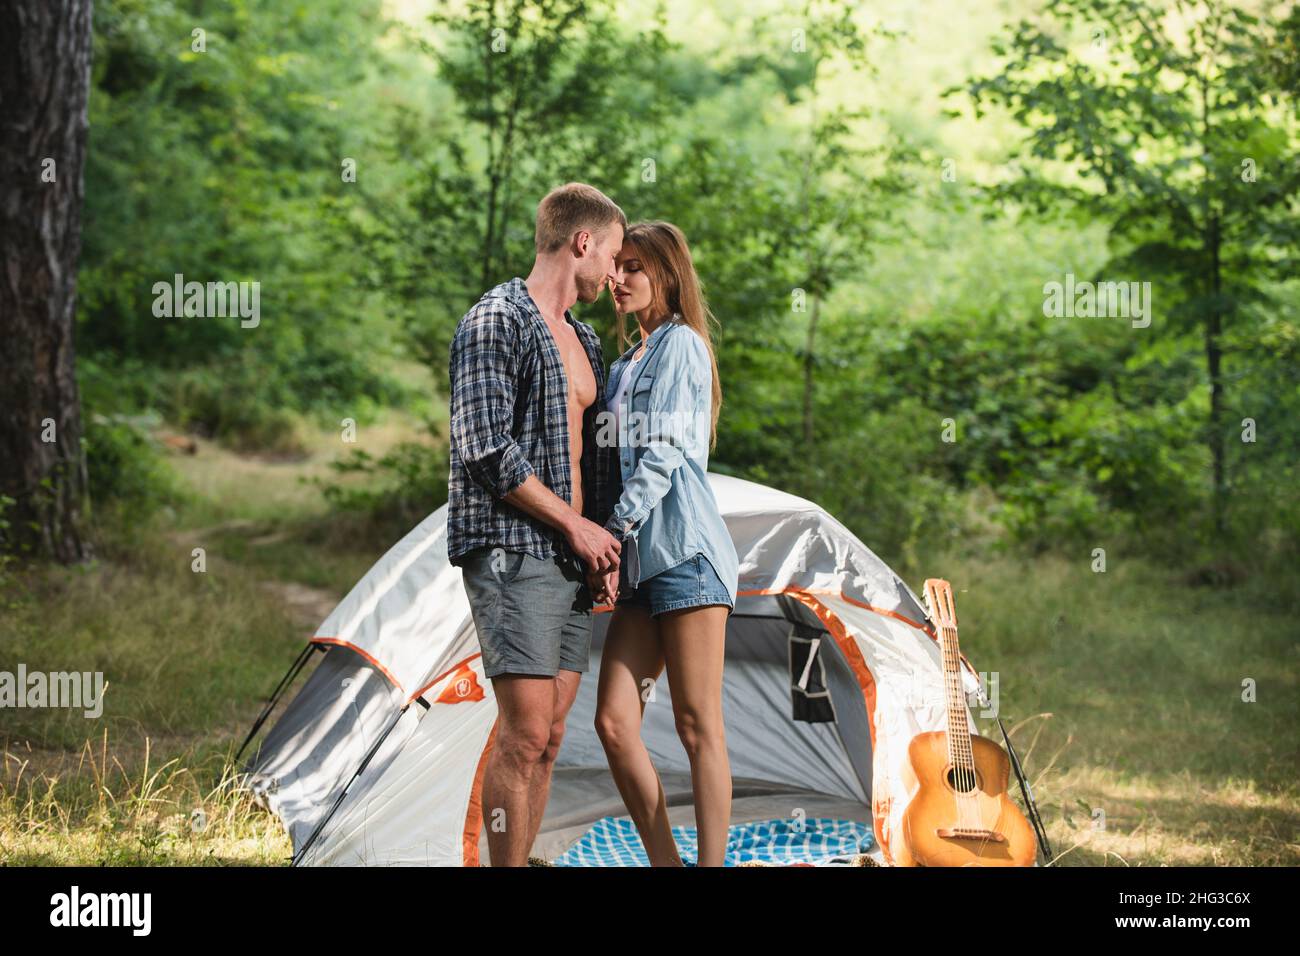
[403, 486]
[125, 468]
[233, 403]
[247, 401]
[893, 498]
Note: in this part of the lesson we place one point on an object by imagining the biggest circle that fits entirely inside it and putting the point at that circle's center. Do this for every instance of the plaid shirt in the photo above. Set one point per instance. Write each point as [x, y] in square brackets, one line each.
[510, 419]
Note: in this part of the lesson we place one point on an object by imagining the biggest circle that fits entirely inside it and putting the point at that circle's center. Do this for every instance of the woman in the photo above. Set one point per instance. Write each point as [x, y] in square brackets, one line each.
[676, 584]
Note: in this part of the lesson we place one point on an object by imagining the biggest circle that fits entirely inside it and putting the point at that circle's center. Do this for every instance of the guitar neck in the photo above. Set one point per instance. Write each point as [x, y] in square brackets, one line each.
[959, 746]
[943, 612]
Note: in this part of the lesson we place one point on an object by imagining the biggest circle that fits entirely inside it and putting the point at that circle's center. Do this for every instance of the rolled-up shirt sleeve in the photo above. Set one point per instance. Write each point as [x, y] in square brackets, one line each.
[484, 370]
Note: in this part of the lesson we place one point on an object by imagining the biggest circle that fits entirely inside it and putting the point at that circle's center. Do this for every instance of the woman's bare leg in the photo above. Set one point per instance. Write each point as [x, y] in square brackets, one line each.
[632, 657]
[693, 642]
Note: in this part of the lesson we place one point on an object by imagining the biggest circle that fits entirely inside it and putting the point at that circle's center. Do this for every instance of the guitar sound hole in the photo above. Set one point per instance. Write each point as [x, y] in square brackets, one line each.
[962, 779]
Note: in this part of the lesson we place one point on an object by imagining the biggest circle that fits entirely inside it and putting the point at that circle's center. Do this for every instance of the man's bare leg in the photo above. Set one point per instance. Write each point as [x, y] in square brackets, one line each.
[566, 691]
[525, 706]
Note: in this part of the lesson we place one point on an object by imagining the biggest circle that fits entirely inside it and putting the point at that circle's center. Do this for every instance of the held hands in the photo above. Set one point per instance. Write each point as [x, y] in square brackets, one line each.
[603, 586]
[598, 549]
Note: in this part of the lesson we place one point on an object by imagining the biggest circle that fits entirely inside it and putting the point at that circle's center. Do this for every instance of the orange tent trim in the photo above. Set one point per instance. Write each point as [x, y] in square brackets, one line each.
[474, 815]
[378, 666]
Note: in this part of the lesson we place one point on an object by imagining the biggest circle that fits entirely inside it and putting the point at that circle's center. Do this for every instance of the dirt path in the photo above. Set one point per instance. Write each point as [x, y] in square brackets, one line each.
[308, 605]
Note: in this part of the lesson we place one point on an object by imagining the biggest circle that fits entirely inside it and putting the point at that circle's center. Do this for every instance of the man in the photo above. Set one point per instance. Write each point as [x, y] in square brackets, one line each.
[529, 493]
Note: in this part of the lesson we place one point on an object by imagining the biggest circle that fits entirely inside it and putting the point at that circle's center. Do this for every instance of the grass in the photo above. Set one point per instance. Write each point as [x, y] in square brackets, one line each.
[188, 657]
[1128, 686]
[1123, 690]
[183, 811]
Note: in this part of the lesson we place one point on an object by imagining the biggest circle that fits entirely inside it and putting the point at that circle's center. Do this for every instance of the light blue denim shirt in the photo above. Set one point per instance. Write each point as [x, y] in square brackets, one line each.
[666, 511]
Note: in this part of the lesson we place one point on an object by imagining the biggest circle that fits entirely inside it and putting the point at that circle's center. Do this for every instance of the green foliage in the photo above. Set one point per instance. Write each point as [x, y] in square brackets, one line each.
[126, 469]
[225, 165]
[127, 472]
[400, 488]
[232, 403]
[1171, 128]
[863, 301]
[894, 497]
[542, 93]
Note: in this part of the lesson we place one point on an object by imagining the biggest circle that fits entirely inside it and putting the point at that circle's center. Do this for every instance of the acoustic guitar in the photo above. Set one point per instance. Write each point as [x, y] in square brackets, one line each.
[958, 813]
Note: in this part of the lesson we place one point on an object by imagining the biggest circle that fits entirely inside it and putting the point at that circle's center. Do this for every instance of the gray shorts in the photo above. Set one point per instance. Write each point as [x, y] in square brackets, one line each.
[533, 616]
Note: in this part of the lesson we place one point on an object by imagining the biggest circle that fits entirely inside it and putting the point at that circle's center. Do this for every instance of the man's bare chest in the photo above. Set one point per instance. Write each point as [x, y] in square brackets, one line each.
[577, 365]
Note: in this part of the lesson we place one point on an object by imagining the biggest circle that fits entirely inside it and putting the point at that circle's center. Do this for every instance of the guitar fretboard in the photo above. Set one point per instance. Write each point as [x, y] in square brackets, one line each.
[959, 747]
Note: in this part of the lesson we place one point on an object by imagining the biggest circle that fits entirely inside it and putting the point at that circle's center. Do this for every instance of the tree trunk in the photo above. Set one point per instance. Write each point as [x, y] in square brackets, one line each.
[809, 371]
[44, 82]
[1213, 360]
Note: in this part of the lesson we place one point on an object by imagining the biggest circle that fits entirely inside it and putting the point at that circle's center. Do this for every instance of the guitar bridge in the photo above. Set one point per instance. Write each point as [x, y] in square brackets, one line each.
[969, 833]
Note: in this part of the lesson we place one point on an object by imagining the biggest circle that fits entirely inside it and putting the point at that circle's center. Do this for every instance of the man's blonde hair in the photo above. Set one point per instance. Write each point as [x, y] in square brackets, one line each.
[571, 207]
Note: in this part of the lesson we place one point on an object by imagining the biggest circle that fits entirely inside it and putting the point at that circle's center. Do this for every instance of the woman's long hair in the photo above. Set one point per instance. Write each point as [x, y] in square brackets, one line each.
[674, 287]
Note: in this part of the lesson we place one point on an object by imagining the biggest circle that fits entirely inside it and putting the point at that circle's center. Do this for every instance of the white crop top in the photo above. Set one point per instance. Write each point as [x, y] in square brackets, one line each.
[623, 382]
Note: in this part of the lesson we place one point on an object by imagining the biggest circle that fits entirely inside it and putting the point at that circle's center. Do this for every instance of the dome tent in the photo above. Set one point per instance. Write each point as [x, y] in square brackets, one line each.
[831, 668]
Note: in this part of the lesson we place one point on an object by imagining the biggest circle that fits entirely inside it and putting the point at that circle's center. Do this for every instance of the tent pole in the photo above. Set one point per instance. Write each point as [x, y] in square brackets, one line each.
[285, 681]
[1039, 830]
[297, 857]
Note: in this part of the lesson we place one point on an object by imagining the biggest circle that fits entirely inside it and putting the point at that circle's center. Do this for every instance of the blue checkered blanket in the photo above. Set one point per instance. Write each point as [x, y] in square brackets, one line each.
[613, 841]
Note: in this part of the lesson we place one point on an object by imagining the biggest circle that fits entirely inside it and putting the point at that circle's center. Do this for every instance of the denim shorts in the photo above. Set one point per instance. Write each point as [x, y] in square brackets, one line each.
[533, 615]
[692, 583]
